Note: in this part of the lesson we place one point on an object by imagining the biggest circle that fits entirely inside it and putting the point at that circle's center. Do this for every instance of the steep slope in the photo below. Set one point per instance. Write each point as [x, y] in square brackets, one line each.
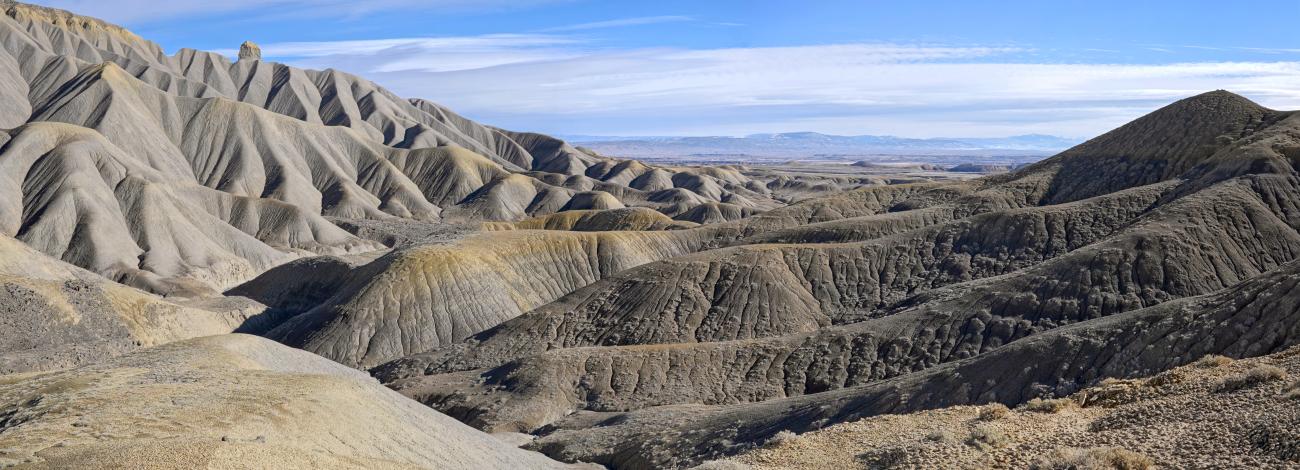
[232, 401]
[76, 196]
[917, 278]
[1147, 262]
[276, 146]
[1255, 318]
[754, 291]
[1161, 145]
[419, 298]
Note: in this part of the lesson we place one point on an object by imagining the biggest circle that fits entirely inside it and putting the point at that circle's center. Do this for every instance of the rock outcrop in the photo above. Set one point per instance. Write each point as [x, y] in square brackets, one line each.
[250, 51]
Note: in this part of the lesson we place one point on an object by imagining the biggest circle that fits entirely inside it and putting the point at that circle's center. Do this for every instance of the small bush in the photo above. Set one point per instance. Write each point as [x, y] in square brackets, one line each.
[987, 437]
[993, 412]
[781, 438]
[1257, 375]
[1052, 405]
[1169, 377]
[941, 436]
[1211, 361]
[1100, 458]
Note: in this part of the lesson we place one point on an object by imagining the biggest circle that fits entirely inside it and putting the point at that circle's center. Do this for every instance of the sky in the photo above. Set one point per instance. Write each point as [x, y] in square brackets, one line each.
[728, 67]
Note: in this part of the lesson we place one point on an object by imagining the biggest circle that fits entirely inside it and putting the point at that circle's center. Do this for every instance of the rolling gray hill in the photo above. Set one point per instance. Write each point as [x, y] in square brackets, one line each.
[594, 309]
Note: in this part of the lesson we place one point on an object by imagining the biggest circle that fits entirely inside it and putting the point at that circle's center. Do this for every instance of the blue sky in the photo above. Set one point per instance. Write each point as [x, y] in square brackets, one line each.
[668, 67]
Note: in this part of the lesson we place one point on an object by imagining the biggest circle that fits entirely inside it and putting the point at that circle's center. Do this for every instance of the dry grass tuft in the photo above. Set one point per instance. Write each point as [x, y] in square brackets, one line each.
[1211, 361]
[941, 436]
[986, 437]
[993, 412]
[781, 438]
[1257, 375]
[1100, 458]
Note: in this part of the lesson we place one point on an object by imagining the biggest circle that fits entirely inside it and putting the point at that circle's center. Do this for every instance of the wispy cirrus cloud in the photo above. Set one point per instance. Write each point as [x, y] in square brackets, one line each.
[905, 89]
[554, 82]
[143, 11]
[620, 23]
[425, 55]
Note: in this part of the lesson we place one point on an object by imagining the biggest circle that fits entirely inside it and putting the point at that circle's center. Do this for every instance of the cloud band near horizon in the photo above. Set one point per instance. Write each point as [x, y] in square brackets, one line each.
[561, 84]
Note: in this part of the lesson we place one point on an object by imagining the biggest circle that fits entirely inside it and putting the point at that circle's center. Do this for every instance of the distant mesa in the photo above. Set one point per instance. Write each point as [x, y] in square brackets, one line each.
[979, 168]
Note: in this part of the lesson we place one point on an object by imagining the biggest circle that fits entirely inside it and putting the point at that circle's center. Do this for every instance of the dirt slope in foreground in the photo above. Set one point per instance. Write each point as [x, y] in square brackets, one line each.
[232, 401]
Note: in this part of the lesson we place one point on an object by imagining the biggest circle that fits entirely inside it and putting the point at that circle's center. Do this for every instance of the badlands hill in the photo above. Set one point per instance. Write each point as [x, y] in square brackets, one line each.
[1165, 240]
[595, 309]
[187, 174]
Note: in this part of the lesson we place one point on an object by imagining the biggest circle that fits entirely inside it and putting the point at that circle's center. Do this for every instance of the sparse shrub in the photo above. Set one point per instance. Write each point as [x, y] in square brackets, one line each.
[941, 436]
[1051, 405]
[993, 412]
[781, 438]
[1168, 377]
[1100, 458]
[987, 437]
[1257, 375]
[1211, 361]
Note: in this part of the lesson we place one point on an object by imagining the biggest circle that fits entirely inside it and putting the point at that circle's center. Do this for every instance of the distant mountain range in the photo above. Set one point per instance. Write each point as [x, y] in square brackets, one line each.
[812, 145]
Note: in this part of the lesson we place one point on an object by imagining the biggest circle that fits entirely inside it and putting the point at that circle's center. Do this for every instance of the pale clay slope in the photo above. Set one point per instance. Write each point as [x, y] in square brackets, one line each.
[232, 401]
